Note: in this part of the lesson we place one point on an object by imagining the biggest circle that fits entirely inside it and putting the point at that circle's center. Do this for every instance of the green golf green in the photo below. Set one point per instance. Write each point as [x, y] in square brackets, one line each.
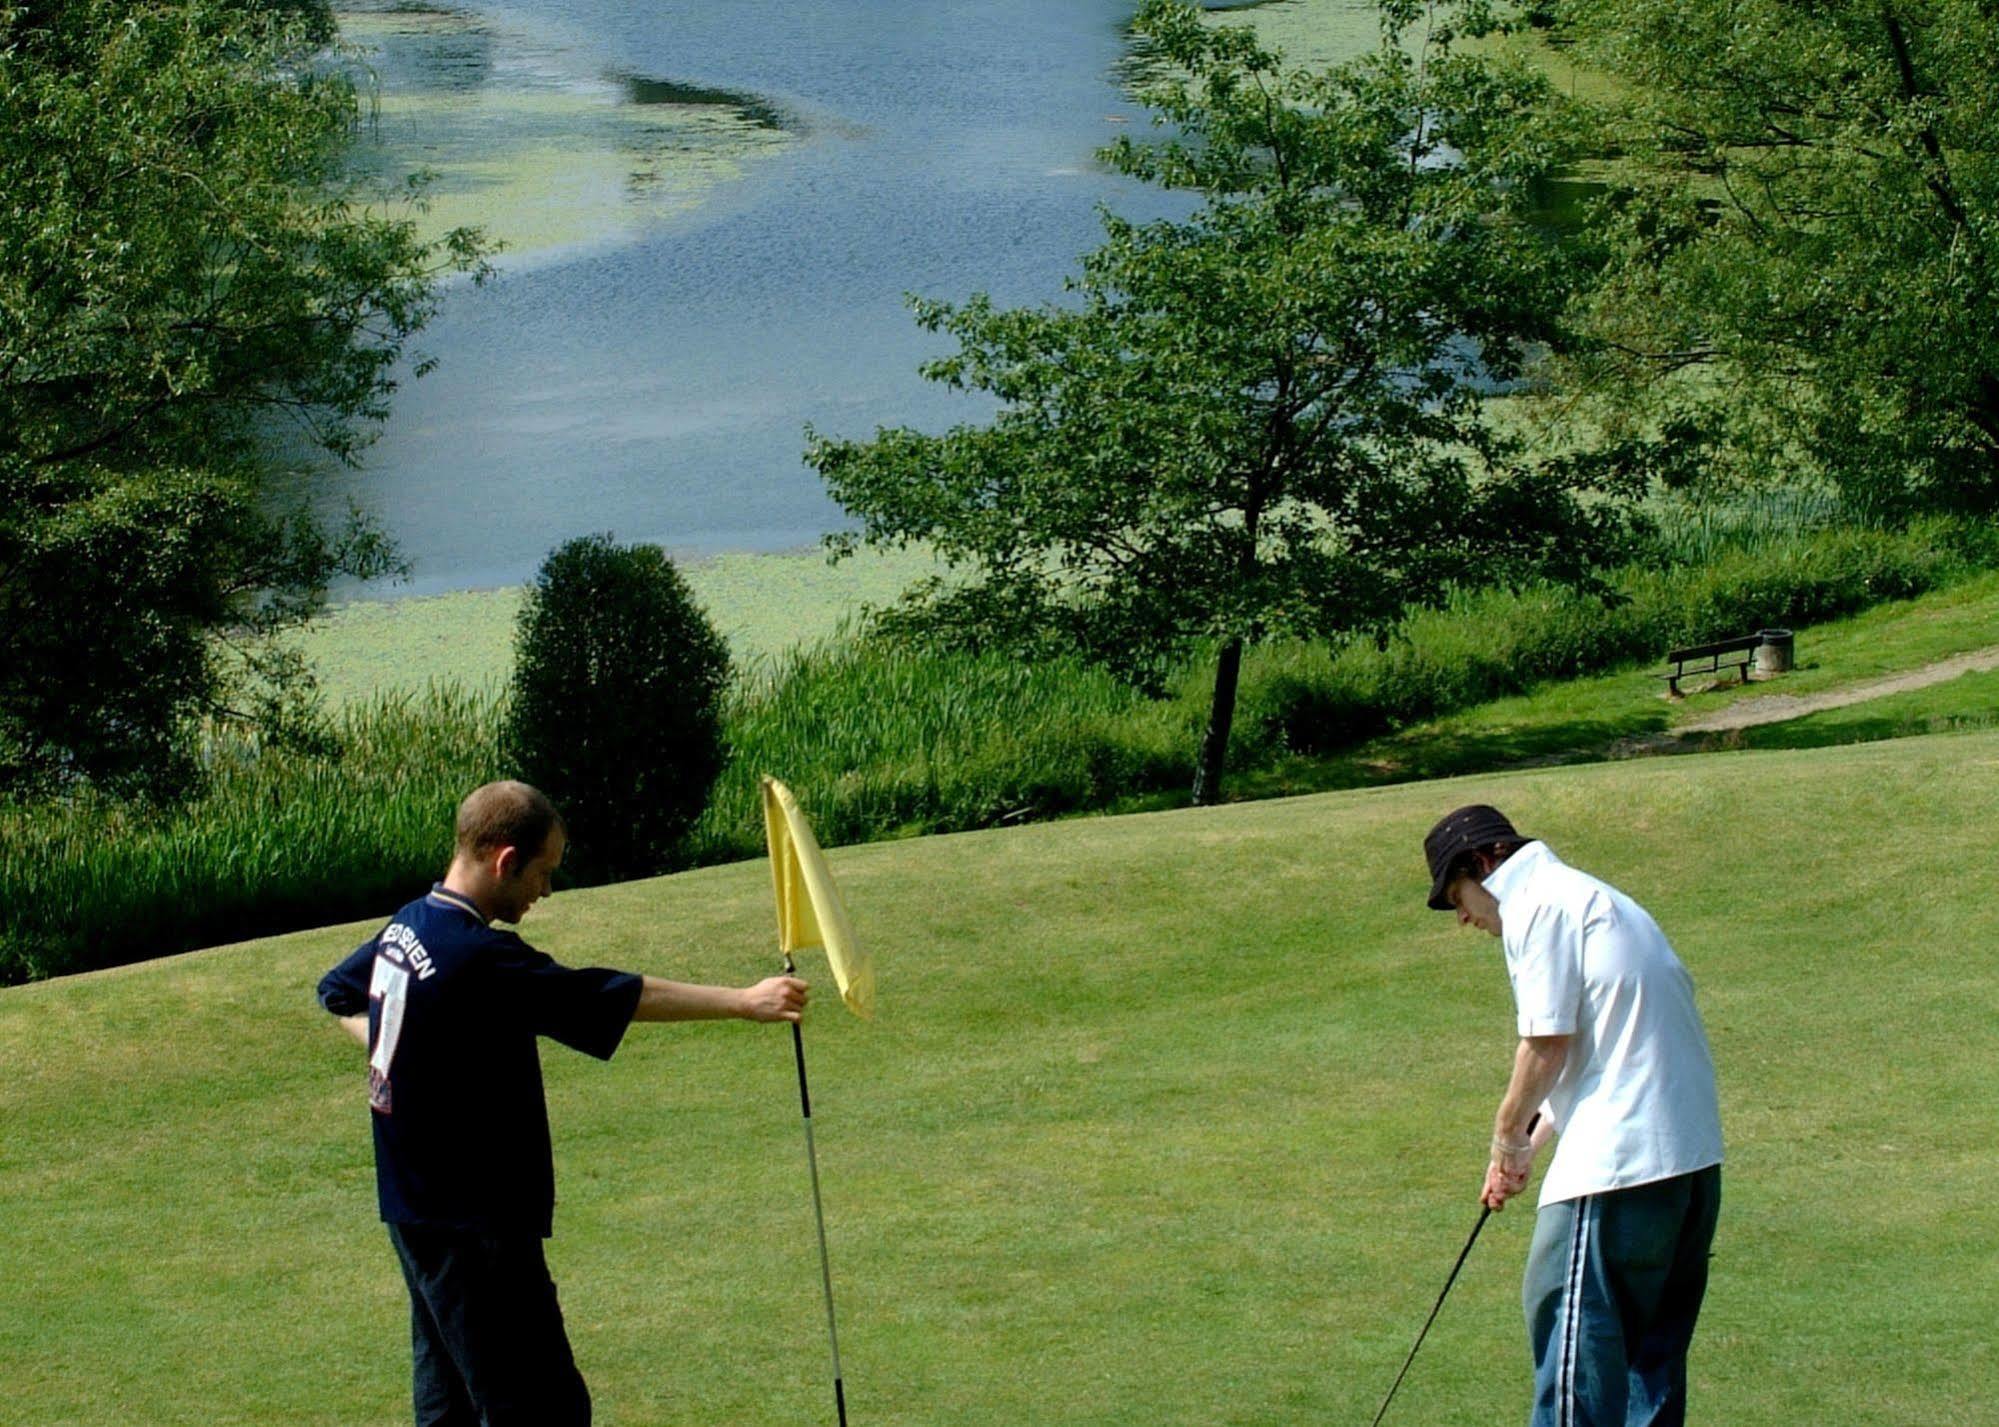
[1175, 1118]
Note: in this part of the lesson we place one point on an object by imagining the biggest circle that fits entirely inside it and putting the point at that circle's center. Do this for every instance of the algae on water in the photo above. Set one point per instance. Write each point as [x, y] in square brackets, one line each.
[524, 135]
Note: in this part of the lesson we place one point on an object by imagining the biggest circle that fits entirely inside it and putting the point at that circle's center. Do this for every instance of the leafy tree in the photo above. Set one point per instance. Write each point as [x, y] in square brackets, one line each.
[616, 710]
[1264, 418]
[1807, 227]
[182, 266]
[133, 605]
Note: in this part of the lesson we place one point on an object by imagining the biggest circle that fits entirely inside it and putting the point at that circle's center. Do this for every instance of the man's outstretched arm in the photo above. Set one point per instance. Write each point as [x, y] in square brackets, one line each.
[775, 998]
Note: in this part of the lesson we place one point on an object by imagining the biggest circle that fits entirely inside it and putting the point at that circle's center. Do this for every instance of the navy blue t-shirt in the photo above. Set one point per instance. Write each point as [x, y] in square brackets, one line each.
[454, 1072]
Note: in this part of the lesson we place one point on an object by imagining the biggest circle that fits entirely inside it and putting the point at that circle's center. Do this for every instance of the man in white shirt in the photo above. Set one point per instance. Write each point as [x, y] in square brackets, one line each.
[1612, 1059]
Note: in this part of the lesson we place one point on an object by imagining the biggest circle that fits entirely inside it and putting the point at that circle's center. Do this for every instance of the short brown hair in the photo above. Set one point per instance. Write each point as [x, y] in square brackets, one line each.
[506, 814]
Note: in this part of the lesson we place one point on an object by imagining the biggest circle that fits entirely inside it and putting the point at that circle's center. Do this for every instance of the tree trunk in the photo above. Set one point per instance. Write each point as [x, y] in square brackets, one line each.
[1221, 716]
[1984, 411]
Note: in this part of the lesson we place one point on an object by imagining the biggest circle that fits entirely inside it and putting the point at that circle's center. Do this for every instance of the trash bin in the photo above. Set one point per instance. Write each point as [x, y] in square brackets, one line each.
[1773, 655]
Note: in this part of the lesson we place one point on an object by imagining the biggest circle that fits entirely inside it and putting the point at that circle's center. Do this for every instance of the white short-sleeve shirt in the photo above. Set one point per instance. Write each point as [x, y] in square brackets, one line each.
[1636, 1098]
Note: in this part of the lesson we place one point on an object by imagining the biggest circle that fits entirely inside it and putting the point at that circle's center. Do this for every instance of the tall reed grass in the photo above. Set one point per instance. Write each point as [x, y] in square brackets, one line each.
[1690, 531]
[278, 840]
[892, 741]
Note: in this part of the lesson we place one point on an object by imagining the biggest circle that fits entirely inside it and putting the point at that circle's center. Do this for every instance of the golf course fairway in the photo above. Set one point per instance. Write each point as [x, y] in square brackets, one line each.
[1167, 1119]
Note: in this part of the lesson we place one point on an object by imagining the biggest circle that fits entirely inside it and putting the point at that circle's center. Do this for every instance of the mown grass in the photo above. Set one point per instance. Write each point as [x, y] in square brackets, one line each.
[891, 743]
[1167, 1119]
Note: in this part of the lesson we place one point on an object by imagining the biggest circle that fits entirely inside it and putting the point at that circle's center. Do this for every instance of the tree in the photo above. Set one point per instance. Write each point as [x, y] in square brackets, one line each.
[182, 266]
[1264, 418]
[1805, 225]
[133, 605]
[617, 703]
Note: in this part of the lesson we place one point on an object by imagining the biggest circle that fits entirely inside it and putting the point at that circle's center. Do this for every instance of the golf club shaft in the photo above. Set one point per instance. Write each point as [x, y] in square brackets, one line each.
[818, 1210]
[1463, 1254]
[1484, 1214]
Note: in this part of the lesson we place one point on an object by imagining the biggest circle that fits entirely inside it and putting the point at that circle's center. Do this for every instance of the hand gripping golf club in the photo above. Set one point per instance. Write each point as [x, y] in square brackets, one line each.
[1464, 1254]
[818, 1212]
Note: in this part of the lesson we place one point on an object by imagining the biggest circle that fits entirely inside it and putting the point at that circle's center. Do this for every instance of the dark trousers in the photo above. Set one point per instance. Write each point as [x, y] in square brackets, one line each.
[1614, 1284]
[486, 1332]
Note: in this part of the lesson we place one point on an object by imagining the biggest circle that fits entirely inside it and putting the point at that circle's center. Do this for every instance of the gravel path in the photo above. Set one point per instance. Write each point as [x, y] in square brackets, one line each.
[1776, 708]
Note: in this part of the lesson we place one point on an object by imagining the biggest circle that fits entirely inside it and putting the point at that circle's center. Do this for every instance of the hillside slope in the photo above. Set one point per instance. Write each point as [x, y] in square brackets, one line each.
[1173, 1118]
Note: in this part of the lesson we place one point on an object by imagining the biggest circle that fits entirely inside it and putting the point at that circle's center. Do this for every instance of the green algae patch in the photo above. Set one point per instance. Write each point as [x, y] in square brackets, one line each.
[520, 135]
[762, 604]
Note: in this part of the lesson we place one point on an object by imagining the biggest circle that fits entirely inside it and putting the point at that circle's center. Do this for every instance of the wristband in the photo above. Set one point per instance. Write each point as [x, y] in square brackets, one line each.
[1511, 1149]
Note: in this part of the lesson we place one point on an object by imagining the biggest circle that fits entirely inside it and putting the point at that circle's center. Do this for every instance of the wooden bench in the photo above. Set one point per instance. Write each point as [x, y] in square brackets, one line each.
[1710, 659]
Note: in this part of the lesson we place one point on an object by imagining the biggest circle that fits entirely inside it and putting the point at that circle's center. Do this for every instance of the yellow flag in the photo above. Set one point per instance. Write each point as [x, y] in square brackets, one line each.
[810, 911]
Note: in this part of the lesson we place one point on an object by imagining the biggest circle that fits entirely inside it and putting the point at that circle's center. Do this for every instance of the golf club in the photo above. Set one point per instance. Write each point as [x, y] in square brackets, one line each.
[1464, 1254]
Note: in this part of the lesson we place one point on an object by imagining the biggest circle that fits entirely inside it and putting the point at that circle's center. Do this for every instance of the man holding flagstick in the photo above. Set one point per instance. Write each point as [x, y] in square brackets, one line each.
[450, 1010]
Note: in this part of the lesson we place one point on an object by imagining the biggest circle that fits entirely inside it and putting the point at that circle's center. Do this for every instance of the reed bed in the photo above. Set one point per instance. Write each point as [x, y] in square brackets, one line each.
[277, 840]
[892, 741]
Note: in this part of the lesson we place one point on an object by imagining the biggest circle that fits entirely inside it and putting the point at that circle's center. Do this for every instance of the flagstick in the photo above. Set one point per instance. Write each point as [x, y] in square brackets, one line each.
[818, 1210]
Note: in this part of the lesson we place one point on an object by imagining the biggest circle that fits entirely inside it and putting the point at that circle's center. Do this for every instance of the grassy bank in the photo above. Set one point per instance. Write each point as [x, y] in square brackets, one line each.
[901, 743]
[1168, 1119]
[1968, 702]
[279, 840]
[1598, 716]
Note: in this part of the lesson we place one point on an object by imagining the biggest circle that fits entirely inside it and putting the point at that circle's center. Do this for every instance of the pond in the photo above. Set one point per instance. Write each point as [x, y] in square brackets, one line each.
[712, 211]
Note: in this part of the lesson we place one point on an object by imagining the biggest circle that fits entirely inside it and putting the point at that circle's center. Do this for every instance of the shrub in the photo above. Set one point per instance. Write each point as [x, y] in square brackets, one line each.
[616, 707]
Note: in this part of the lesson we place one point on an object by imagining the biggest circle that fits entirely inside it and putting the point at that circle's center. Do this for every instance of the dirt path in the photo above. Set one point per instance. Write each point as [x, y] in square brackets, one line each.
[1690, 737]
[1776, 708]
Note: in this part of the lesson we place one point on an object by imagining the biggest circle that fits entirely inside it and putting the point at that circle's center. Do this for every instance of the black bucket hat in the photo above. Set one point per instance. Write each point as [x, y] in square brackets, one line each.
[1457, 833]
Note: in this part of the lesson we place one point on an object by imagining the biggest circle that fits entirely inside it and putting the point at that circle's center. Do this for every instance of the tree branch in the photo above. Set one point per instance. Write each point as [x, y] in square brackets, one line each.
[1938, 175]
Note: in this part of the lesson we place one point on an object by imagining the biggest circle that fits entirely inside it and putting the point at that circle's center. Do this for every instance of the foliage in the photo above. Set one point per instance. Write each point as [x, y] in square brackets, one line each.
[1806, 219]
[893, 739]
[278, 838]
[1486, 644]
[183, 267]
[1262, 419]
[112, 590]
[886, 741]
[617, 703]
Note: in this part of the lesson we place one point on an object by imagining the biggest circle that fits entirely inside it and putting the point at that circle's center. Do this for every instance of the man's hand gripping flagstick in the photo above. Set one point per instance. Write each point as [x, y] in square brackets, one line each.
[811, 913]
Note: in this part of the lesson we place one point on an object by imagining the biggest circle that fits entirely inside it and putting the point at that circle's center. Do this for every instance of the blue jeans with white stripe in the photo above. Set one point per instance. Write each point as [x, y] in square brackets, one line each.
[1614, 1284]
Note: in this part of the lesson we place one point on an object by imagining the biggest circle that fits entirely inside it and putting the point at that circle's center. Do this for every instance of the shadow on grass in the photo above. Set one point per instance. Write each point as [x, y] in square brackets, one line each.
[1448, 751]
[1817, 733]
